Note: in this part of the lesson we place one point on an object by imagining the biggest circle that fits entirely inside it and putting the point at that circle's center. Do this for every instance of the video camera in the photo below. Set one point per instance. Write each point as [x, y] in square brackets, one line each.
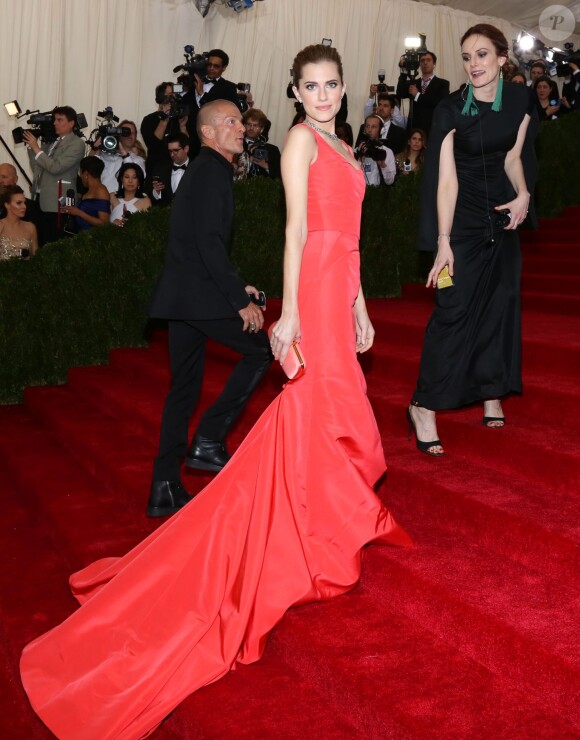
[257, 149]
[371, 148]
[195, 64]
[43, 127]
[562, 59]
[107, 132]
[410, 59]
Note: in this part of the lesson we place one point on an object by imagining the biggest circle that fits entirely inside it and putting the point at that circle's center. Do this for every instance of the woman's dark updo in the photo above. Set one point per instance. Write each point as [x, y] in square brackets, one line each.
[7, 193]
[314, 55]
[490, 32]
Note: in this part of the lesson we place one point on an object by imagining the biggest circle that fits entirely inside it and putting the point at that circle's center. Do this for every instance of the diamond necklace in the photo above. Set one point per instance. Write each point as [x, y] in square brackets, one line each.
[334, 137]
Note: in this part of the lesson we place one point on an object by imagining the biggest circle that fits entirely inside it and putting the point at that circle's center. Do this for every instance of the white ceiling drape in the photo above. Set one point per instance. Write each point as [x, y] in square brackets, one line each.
[94, 53]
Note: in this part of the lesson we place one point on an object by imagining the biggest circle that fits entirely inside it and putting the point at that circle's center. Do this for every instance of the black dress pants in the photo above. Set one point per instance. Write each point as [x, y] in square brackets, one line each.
[187, 340]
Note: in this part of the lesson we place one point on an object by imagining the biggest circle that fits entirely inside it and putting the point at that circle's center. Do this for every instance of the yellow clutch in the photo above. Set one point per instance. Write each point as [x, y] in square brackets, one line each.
[444, 280]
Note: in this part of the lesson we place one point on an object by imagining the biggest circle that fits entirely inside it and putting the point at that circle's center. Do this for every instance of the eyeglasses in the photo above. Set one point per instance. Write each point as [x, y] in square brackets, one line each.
[174, 151]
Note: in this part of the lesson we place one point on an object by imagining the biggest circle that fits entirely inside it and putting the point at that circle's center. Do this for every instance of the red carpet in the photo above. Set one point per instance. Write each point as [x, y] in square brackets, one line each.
[471, 634]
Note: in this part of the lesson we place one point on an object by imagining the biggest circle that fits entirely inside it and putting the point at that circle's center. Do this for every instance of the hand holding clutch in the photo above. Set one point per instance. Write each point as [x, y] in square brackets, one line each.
[294, 365]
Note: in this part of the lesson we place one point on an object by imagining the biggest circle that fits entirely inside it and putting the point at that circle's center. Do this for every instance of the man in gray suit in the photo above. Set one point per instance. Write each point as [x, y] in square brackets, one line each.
[55, 166]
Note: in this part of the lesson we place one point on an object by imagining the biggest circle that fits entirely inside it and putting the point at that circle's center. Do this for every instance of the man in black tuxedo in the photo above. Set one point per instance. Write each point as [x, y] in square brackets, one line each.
[164, 182]
[202, 296]
[425, 93]
[394, 136]
[211, 87]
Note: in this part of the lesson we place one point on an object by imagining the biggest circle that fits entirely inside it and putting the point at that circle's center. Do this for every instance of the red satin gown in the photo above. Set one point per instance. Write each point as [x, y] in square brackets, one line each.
[282, 524]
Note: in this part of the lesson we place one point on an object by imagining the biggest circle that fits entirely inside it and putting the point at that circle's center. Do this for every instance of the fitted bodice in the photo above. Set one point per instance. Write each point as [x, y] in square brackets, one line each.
[11, 247]
[335, 191]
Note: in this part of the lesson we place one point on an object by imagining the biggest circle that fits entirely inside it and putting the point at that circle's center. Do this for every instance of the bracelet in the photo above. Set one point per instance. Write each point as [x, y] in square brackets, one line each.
[440, 235]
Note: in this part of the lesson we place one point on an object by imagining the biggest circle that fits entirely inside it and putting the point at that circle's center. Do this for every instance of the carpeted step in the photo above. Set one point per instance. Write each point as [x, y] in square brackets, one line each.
[565, 284]
[550, 302]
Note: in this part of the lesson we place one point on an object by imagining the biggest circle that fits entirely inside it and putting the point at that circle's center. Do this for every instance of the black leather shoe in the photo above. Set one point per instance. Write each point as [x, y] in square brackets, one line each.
[206, 454]
[166, 497]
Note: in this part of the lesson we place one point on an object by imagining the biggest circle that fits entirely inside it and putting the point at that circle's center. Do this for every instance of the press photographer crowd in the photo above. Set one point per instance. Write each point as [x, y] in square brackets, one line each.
[80, 183]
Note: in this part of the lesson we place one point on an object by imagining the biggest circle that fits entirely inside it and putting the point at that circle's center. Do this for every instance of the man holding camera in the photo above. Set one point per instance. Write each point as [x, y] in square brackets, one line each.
[259, 159]
[424, 92]
[165, 180]
[54, 167]
[122, 154]
[202, 296]
[372, 104]
[377, 159]
[170, 118]
[394, 136]
[212, 86]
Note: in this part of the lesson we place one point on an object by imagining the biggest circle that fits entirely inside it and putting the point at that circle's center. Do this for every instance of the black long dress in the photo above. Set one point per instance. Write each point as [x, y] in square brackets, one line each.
[472, 345]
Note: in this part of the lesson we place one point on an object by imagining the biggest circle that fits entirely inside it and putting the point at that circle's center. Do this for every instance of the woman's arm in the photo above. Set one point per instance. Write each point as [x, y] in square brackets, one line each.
[299, 153]
[447, 188]
[515, 172]
[102, 218]
[365, 333]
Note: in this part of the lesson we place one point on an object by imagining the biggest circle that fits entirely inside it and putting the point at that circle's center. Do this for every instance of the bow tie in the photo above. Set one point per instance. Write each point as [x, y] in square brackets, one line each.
[176, 167]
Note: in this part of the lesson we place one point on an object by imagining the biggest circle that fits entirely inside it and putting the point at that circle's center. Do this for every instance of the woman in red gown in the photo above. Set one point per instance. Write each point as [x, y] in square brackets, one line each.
[285, 520]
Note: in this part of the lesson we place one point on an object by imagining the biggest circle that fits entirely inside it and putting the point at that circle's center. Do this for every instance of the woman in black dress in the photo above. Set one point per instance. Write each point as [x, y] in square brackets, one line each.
[473, 178]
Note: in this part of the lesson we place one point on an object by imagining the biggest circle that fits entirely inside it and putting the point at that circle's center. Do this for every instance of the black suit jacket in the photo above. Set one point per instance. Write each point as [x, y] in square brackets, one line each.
[198, 280]
[396, 138]
[426, 103]
[163, 173]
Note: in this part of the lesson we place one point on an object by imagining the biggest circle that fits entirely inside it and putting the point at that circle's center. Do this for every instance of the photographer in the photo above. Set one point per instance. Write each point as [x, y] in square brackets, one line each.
[123, 154]
[377, 159]
[394, 136]
[424, 93]
[372, 104]
[52, 165]
[169, 119]
[259, 159]
[212, 86]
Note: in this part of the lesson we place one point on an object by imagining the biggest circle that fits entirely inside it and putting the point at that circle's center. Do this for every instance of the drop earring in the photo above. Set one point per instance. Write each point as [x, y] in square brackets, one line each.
[470, 108]
[498, 95]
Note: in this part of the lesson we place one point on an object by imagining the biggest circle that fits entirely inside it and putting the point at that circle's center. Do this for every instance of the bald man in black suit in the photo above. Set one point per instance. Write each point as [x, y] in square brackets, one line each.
[202, 296]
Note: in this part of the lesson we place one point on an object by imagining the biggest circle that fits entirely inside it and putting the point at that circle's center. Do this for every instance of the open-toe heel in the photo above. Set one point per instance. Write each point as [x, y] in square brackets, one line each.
[487, 422]
[422, 446]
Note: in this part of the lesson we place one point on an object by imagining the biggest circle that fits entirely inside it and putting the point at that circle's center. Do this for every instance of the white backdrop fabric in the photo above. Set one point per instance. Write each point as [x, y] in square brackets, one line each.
[94, 53]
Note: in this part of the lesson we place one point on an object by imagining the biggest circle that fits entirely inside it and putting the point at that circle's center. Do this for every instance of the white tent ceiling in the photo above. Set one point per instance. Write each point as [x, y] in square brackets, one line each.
[522, 13]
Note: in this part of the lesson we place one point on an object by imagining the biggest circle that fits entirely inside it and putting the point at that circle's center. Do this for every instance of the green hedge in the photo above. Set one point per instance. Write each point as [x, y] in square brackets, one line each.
[80, 297]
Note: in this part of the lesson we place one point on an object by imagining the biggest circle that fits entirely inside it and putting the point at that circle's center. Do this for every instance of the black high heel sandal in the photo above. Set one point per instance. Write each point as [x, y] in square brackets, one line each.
[422, 446]
[487, 419]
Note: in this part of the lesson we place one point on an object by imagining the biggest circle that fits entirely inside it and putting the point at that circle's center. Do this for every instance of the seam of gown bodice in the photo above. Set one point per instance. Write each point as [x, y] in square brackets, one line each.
[334, 199]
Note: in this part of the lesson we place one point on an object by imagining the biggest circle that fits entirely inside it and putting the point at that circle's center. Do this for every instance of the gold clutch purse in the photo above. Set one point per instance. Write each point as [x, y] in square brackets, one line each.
[444, 280]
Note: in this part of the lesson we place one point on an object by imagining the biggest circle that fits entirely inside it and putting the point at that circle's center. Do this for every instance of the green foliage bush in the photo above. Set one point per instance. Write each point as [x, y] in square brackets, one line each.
[81, 297]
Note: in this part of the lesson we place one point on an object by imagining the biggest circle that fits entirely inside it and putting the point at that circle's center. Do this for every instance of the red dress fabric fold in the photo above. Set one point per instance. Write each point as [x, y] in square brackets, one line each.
[281, 525]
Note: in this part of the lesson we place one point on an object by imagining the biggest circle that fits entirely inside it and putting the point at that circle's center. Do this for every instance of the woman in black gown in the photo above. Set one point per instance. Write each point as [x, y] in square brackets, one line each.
[472, 346]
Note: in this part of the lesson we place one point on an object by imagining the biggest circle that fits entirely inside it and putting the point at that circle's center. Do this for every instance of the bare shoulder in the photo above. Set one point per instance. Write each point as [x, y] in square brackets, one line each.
[300, 150]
